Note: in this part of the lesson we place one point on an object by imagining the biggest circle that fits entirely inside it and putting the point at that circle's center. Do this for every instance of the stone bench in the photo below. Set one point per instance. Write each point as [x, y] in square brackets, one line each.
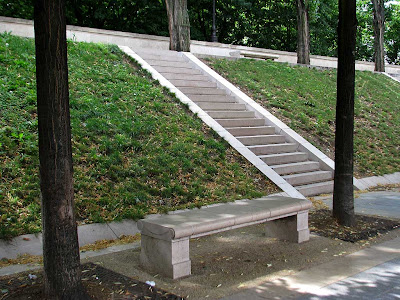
[165, 238]
[258, 55]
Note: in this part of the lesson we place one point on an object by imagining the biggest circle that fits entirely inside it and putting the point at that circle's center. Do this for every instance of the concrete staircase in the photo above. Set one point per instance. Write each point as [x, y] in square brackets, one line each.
[395, 76]
[297, 167]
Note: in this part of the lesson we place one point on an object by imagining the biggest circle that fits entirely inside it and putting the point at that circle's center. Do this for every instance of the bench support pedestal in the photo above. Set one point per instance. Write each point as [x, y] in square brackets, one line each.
[170, 258]
[293, 228]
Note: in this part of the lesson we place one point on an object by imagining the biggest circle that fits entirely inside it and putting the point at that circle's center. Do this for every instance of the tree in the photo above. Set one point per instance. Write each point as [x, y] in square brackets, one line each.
[379, 30]
[303, 33]
[179, 26]
[323, 17]
[343, 197]
[60, 238]
[365, 39]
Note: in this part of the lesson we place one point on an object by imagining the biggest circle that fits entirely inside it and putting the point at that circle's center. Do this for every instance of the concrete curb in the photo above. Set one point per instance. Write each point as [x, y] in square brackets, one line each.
[374, 181]
[88, 234]
[13, 269]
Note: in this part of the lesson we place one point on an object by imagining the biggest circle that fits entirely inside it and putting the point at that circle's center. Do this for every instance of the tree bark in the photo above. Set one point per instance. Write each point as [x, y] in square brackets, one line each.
[379, 31]
[303, 33]
[343, 197]
[60, 238]
[179, 25]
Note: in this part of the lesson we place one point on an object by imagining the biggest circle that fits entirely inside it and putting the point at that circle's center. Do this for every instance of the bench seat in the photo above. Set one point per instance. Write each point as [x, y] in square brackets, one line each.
[259, 55]
[165, 238]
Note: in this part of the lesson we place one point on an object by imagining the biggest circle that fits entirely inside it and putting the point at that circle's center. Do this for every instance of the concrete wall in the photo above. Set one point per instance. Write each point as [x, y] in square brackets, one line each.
[24, 28]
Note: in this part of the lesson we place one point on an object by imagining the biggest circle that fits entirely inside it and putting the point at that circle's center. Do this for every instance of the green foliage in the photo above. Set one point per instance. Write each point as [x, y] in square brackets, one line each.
[392, 36]
[17, 9]
[268, 24]
[263, 23]
[365, 30]
[306, 99]
[323, 18]
[140, 16]
[136, 150]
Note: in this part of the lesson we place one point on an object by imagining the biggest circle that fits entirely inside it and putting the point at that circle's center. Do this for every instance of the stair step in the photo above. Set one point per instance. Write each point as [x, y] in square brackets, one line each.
[153, 57]
[179, 76]
[273, 148]
[240, 122]
[262, 139]
[176, 70]
[202, 91]
[251, 131]
[213, 98]
[171, 64]
[284, 158]
[193, 83]
[159, 53]
[221, 106]
[316, 188]
[307, 178]
[231, 114]
[299, 167]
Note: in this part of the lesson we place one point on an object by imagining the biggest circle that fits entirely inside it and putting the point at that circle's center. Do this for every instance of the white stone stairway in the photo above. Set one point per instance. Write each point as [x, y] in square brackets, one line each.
[277, 151]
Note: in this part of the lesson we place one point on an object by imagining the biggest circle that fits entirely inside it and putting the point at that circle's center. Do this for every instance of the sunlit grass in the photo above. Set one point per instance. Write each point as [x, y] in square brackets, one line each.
[136, 149]
[306, 100]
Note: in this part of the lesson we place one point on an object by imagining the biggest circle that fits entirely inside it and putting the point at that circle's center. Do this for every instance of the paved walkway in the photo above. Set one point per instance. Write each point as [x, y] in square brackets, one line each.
[384, 204]
[372, 273]
[380, 282]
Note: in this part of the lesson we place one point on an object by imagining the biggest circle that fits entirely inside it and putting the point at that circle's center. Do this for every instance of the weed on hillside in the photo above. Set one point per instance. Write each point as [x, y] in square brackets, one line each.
[136, 149]
[305, 99]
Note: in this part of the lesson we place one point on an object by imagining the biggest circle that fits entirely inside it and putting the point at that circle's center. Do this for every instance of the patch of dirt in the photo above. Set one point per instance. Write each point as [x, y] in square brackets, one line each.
[223, 263]
[228, 262]
[100, 284]
[322, 223]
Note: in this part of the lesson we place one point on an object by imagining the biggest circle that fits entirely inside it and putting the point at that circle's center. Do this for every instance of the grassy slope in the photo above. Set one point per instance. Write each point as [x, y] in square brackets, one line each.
[306, 98]
[136, 149]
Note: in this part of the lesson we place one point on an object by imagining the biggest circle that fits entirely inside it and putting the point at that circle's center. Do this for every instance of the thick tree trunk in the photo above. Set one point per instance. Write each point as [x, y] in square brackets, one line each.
[343, 198]
[379, 31]
[179, 26]
[303, 33]
[60, 239]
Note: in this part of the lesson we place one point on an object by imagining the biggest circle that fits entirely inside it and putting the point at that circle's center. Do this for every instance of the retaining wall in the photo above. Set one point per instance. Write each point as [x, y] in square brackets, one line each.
[24, 28]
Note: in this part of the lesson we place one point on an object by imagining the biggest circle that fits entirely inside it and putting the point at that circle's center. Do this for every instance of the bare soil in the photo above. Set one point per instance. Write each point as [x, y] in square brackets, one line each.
[222, 264]
[366, 227]
[99, 283]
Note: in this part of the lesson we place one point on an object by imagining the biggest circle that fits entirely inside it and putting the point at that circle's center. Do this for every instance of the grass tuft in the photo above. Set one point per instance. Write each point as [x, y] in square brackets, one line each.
[136, 149]
[305, 99]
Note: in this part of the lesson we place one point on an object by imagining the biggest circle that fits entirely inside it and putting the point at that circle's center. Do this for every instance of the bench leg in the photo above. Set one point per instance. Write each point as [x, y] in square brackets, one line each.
[293, 228]
[170, 258]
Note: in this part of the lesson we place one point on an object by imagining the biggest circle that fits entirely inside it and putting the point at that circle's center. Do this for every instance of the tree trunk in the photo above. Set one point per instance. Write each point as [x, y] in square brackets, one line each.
[179, 26]
[379, 31]
[60, 239]
[303, 33]
[343, 198]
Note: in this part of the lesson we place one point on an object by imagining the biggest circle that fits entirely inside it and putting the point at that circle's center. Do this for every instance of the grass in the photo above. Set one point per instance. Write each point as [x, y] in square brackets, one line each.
[305, 99]
[136, 149]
